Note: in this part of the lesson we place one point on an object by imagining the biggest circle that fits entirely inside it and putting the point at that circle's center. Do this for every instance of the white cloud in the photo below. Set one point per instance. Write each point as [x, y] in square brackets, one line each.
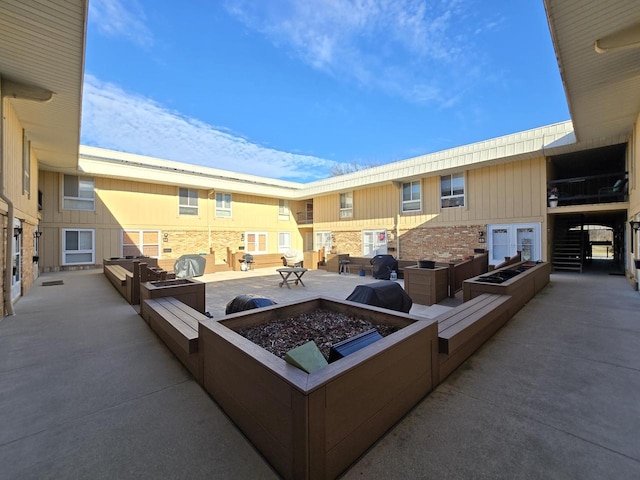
[113, 19]
[419, 50]
[118, 120]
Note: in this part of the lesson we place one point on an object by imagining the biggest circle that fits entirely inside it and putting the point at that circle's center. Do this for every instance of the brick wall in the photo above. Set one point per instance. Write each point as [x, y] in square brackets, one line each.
[440, 243]
[433, 243]
[182, 242]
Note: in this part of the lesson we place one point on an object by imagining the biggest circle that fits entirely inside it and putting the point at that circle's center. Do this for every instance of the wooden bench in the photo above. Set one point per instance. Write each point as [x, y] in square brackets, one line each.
[462, 330]
[177, 326]
[121, 278]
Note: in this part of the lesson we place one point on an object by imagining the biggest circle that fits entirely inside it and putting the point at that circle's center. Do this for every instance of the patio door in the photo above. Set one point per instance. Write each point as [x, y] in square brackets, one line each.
[374, 242]
[508, 239]
[323, 239]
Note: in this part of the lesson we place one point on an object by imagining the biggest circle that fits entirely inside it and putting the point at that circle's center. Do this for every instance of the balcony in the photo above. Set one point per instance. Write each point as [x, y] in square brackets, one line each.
[304, 217]
[593, 189]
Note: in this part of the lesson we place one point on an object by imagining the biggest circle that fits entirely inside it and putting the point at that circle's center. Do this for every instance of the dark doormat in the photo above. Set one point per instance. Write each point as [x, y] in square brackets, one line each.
[52, 282]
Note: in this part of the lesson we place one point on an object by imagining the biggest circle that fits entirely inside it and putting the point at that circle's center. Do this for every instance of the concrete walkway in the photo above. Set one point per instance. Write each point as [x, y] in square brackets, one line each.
[88, 391]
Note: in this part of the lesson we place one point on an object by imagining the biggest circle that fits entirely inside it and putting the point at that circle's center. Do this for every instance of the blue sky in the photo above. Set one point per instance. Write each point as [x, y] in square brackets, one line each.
[289, 88]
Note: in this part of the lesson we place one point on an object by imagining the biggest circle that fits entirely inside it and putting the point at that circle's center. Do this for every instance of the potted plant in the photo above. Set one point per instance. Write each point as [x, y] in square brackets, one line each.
[553, 197]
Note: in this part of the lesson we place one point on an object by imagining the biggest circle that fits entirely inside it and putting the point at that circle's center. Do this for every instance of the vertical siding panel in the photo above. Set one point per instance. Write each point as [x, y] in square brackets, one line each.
[494, 191]
[486, 194]
[537, 186]
[517, 197]
[526, 188]
[509, 192]
[501, 188]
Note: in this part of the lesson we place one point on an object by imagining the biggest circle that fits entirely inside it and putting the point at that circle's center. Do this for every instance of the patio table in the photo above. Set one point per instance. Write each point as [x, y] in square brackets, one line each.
[286, 272]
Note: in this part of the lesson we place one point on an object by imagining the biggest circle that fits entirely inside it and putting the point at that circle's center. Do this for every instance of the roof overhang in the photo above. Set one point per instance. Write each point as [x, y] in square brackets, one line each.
[597, 46]
[42, 50]
[539, 142]
[100, 162]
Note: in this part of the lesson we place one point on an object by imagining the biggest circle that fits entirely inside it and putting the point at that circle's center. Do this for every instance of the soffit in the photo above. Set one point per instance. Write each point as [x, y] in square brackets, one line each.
[43, 45]
[602, 89]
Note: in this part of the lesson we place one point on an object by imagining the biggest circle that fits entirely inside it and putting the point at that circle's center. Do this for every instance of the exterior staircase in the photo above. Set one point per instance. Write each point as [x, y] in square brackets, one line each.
[569, 244]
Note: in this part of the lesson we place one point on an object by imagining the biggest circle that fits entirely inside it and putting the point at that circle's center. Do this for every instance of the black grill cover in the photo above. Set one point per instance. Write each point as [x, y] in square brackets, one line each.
[385, 294]
[247, 302]
[382, 266]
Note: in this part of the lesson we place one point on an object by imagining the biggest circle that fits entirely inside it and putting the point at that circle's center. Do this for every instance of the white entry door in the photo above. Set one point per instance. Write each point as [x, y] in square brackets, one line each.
[374, 242]
[16, 278]
[508, 239]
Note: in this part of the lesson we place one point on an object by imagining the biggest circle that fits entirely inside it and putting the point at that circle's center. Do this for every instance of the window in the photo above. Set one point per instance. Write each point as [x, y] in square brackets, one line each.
[374, 242]
[223, 205]
[188, 201]
[136, 243]
[26, 164]
[346, 205]
[255, 242]
[78, 193]
[452, 190]
[78, 247]
[284, 242]
[411, 196]
[283, 210]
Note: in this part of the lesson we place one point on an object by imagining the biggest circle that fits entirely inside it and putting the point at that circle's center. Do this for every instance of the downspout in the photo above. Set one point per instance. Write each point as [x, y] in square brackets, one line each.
[8, 255]
[24, 92]
[398, 186]
[209, 193]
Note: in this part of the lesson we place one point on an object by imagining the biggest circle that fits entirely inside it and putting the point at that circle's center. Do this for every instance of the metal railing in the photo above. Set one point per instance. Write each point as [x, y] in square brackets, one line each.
[607, 188]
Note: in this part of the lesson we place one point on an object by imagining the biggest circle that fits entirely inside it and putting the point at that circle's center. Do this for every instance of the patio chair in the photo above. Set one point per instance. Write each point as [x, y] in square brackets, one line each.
[618, 191]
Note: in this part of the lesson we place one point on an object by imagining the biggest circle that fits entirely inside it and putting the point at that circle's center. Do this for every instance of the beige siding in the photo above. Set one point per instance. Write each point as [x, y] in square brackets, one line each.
[634, 171]
[26, 206]
[127, 205]
[374, 207]
[508, 193]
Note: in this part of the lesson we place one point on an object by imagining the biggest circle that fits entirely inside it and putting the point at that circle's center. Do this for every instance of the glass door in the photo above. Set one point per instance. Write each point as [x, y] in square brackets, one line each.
[505, 241]
[374, 242]
[16, 278]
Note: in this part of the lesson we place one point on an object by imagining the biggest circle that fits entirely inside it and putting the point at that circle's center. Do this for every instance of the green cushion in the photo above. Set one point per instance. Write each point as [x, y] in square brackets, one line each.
[307, 357]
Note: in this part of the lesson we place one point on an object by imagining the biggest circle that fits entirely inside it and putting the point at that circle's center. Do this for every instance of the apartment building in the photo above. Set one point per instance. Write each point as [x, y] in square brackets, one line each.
[64, 206]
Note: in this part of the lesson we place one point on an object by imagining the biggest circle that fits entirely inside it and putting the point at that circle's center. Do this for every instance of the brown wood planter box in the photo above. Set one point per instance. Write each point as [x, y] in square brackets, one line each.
[315, 425]
[426, 286]
[521, 288]
[189, 292]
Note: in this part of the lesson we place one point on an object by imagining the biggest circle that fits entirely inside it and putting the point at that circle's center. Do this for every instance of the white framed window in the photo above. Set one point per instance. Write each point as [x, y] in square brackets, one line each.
[411, 196]
[283, 210]
[452, 190]
[136, 243]
[284, 242]
[255, 242]
[374, 242]
[187, 201]
[322, 239]
[223, 205]
[26, 164]
[346, 205]
[78, 193]
[78, 246]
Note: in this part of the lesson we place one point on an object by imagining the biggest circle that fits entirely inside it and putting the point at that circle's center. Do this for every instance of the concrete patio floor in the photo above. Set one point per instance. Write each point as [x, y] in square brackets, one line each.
[88, 391]
[265, 282]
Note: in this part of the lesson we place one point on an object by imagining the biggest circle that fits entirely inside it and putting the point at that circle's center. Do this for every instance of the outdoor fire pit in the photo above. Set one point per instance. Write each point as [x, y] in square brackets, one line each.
[314, 425]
